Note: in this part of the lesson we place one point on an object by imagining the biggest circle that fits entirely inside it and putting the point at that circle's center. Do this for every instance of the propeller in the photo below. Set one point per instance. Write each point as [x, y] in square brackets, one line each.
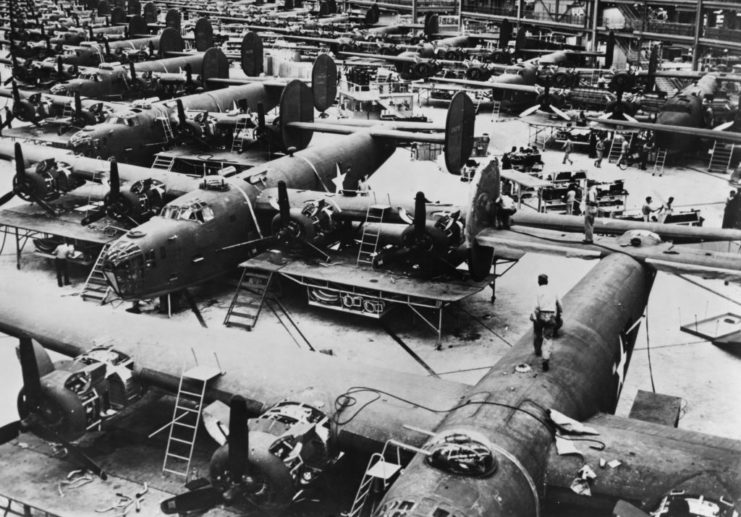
[188, 74]
[724, 126]
[111, 200]
[544, 104]
[33, 407]
[132, 71]
[237, 465]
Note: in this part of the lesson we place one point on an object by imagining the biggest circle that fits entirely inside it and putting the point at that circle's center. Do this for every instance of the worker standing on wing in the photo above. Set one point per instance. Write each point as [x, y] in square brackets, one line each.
[547, 311]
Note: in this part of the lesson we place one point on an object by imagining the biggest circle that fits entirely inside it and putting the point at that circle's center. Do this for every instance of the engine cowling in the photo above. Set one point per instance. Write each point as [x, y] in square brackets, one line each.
[47, 180]
[289, 448]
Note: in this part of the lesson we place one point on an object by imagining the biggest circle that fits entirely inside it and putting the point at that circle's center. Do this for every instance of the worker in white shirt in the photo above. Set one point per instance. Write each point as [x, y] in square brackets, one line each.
[505, 208]
[570, 199]
[547, 312]
[590, 212]
[61, 253]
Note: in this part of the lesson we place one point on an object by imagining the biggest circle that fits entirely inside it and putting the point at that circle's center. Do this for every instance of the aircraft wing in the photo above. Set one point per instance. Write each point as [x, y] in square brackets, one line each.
[401, 59]
[728, 136]
[489, 85]
[687, 460]
[378, 131]
[94, 170]
[270, 370]
[663, 256]
[687, 74]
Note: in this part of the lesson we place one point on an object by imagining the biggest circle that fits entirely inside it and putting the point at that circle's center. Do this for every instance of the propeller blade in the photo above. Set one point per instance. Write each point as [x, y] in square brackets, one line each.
[132, 71]
[114, 179]
[201, 499]
[182, 120]
[605, 116]
[20, 165]
[6, 197]
[530, 110]
[93, 216]
[107, 47]
[78, 105]
[90, 33]
[724, 126]
[561, 113]
[260, 115]
[283, 204]
[10, 431]
[238, 438]
[73, 450]
[16, 94]
[188, 74]
[629, 118]
[420, 214]
[30, 372]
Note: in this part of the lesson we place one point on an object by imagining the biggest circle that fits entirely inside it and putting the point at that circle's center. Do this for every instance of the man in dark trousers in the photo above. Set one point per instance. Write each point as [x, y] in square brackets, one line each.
[545, 318]
[61, 254]
[732, 212]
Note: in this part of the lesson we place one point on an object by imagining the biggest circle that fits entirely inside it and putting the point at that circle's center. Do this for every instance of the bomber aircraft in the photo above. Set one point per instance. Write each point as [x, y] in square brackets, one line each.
[473, 451]
[215, 219]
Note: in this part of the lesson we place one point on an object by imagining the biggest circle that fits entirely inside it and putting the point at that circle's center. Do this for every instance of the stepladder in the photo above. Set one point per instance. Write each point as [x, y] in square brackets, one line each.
[371, 234]
[186, 417]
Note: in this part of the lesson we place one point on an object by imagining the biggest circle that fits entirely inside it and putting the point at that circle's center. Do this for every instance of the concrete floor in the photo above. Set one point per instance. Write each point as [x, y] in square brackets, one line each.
[477, 333]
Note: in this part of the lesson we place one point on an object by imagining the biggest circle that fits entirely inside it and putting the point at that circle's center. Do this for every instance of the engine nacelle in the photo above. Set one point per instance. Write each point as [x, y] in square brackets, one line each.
[79, 395]
[289, 448]
[143, 200]
[47, 180]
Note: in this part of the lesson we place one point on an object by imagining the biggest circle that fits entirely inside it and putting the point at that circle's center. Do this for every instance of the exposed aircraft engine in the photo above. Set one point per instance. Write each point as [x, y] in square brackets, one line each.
[141, 201]
[288, 450]
[321, 215]
[267, 462]
[430, 245]
[79, 395]
[42, 183]
[47, 180]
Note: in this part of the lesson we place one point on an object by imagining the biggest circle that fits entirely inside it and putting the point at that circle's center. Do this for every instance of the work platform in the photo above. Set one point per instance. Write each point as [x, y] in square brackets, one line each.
[33, 481]
[30, 221]
[343, 286]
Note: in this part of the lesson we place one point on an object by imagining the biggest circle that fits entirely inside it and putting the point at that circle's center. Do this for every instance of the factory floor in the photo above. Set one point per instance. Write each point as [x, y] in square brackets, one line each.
[476, 333]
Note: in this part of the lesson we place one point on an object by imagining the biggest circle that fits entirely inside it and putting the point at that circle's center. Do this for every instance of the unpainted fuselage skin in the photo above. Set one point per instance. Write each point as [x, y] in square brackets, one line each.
[589, 363]
[168, 255]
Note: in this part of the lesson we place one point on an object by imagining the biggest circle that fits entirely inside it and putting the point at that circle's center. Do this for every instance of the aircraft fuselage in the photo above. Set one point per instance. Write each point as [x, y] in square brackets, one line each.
[507, 411]
[186, 245]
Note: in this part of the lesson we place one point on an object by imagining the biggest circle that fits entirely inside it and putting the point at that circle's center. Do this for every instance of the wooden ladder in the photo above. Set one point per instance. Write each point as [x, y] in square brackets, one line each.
[369, 240]
[248, 299]
[96, 286]
[186, 416]
[659, 163]
[163, 162]
[720, 159]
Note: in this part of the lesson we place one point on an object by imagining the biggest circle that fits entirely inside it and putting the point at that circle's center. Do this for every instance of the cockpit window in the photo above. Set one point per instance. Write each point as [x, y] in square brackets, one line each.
[197, 211]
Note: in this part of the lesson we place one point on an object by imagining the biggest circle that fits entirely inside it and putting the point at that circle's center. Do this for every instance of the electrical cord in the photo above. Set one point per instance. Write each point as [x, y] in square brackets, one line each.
[347, 400]
[648, 353]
